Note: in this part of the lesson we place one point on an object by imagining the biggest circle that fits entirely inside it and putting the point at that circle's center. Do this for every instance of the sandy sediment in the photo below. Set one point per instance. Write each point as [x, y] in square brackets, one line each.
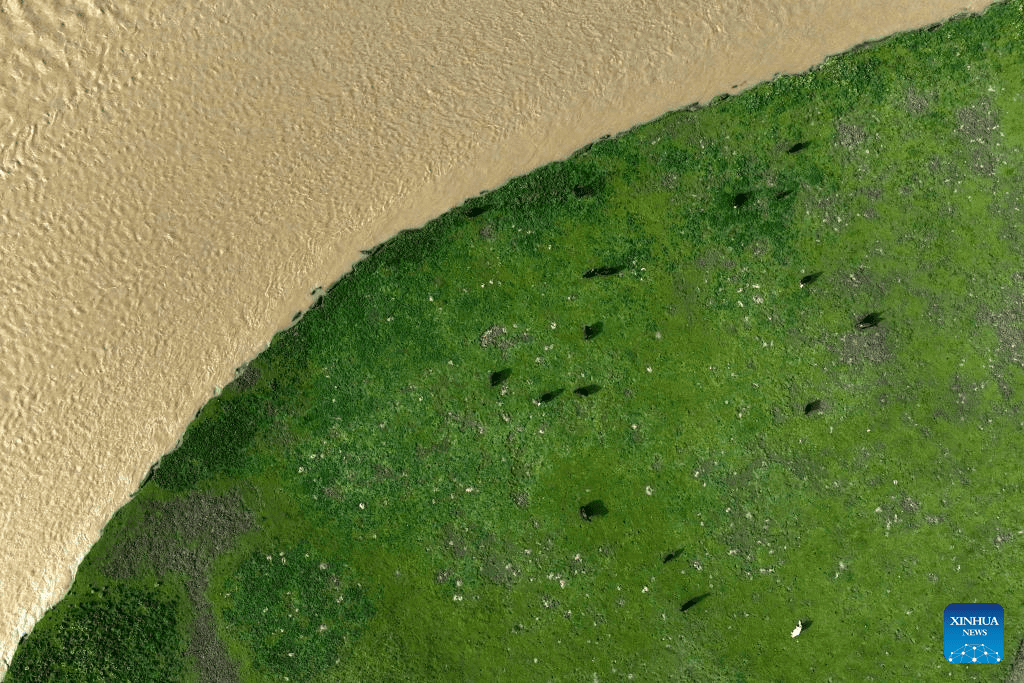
[176, 180]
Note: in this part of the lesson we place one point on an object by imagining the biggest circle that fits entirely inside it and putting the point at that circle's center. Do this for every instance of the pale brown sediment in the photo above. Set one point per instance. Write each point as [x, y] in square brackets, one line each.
[175, 180]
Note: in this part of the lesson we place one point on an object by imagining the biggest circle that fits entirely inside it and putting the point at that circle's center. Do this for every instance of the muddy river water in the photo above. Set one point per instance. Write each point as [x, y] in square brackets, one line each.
[175, 179]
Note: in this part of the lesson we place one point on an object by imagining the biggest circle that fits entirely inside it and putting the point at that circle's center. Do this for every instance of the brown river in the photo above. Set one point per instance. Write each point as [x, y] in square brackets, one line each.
[176, 177]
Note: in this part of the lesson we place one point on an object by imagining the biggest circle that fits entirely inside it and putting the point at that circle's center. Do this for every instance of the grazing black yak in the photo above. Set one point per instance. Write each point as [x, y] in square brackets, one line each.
[594, 508]
[551, 395]
[693, 601]
[870, 320]
[810, 279]
[740, 199]
[604, 270]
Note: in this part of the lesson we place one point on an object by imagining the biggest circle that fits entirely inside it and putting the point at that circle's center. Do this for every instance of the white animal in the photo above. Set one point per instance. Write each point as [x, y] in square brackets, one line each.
[796, 631]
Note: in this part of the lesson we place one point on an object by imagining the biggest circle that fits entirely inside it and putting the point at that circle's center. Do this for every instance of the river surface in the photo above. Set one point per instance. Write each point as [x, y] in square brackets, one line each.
[176, 179]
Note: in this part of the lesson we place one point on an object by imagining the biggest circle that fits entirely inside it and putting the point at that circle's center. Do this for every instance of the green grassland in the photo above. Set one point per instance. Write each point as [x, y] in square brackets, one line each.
[364, 503]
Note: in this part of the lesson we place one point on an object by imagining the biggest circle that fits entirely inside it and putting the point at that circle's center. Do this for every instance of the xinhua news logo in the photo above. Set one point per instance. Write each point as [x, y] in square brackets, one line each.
[973, 633]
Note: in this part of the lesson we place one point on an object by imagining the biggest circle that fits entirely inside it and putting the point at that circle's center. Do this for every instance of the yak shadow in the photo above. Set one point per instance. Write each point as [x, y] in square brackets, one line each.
[588, 390]
[805, 625]
[595, 508]
[813, 406]
[783, 194]
[693, 601]
[798, 147]
[604, 271]
[811, 279]
[551, 395]
[500, 376]
[870, 320]
[591, 331]
[477, 210]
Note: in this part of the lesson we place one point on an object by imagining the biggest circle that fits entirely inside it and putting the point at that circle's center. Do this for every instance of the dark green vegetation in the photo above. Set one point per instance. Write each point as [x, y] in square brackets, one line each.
[111, 634]
[382, 496]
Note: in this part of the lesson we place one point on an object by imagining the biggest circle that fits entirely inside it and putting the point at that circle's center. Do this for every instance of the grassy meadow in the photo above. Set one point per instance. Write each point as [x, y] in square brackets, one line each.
[471, 462]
